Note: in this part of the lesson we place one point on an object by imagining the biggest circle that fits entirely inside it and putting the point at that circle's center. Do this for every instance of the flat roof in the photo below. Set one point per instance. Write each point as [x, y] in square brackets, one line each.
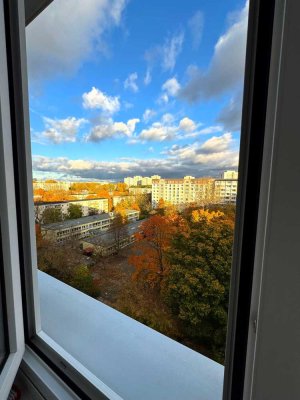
[108, 237]
[68, 223]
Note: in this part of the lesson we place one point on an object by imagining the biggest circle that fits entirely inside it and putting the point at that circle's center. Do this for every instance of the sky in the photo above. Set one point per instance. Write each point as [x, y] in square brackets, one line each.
[132, 87]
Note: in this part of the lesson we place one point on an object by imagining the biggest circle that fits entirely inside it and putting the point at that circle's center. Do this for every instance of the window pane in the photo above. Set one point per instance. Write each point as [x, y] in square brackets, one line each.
[135, 124]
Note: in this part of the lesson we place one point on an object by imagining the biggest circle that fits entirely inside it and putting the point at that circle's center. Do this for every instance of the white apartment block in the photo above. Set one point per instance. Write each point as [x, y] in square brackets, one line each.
[100, 205]
[199, 191]
[225, 191]
[140, 180]
[182, 191]
[82, 227]
[229, 175]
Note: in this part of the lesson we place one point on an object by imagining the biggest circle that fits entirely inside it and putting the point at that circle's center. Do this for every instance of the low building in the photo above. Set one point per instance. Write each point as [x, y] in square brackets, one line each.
[118, 199]
[82, 227]
[105, 243]
[138, 190]
[100, 205]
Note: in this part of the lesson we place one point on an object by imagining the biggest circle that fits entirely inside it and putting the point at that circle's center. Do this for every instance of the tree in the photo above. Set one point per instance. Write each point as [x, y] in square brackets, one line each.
[119, 229]
[93, 211]
[197, 285]
[82, 280]
[51, 215]
[74, 211]
[152, 242]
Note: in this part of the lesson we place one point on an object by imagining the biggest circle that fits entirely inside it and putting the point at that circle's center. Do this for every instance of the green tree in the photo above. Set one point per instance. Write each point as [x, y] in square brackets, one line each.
[51, 215]
[197, 285]
[74, 211]
[82, 280]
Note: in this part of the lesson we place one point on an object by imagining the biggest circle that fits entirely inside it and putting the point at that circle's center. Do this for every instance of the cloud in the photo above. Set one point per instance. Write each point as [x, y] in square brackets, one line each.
[68, 33]
[148, 114]
[193, 159]
[130, 82]
[110, 129]
[148, 77]
[231, 115]
[167, 129]
[171, 50]
[60, 130]
[196, 24]
[171, 87]
[165, 55]
[97, 99]
[187, 125]
[226, 69]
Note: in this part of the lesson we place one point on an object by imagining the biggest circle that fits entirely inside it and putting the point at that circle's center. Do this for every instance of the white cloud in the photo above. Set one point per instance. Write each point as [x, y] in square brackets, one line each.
[97, 99]
[187, 125]
[226, 69]
[163, 99]
[148, 114]
[60, 130]
[68, 33]
[167, 129]
[165, 55]
[130, 82]
[171, 50]
[195, 25]
[210, 129]
[171, 87]
[110, 129]
[193, 159]
[148, 77]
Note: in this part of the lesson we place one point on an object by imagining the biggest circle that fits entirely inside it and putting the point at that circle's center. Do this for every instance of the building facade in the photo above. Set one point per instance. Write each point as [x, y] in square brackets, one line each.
[140, 180]
[100, 205]
[199, 191]
[82, 227]
[180, 192]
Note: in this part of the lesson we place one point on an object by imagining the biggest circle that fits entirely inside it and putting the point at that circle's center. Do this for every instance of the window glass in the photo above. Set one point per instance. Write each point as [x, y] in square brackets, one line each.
[135, 112]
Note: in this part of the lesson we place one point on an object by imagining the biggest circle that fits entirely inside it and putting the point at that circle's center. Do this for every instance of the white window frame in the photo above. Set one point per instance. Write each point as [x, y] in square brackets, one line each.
[9, 231]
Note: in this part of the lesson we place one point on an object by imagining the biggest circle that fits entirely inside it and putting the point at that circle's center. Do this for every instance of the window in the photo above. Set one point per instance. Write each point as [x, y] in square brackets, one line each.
[18, 102]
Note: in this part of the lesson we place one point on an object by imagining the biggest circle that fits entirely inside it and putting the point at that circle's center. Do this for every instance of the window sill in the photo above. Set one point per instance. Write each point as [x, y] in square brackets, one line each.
[133, 360]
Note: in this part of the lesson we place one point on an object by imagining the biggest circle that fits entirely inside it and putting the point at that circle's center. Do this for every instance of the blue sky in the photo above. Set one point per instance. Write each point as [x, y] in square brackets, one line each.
[119, 88]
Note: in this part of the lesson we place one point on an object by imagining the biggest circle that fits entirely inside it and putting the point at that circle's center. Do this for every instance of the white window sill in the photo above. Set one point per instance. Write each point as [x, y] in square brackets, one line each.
[133, 360]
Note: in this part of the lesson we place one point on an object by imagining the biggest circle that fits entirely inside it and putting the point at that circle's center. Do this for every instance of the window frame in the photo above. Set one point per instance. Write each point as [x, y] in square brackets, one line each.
[13, 314]
[255, 100]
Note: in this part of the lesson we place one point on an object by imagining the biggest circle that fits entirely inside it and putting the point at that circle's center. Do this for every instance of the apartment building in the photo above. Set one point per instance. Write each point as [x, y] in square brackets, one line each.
[200, 191]
[182, 191]
[99, 204]
[82, 227]
[225, 191]
[140, 190]
[140, 180]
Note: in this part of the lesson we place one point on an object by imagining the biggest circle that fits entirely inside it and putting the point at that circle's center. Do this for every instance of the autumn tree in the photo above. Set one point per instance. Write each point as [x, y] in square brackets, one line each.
[197, 285]
[119, 229]
[74, 211]
[51, 215]
[152, 242]
[82, 280]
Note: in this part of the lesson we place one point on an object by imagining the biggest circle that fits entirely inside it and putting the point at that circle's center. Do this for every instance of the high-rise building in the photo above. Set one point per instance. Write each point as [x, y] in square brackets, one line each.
[140, 180]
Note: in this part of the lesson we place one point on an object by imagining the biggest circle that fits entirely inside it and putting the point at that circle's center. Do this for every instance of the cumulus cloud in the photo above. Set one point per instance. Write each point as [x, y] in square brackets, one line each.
[97, 99]
[167, 129]
[111, 129]
[231, 114]
[196, 24]
[68, 33]
[130, 82]
[148, 114]
[171, 87]
[226, 69]
[60, 130]
[193, 159]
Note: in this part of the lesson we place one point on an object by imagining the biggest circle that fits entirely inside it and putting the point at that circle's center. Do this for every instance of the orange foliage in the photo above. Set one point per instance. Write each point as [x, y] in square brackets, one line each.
[152, 242]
